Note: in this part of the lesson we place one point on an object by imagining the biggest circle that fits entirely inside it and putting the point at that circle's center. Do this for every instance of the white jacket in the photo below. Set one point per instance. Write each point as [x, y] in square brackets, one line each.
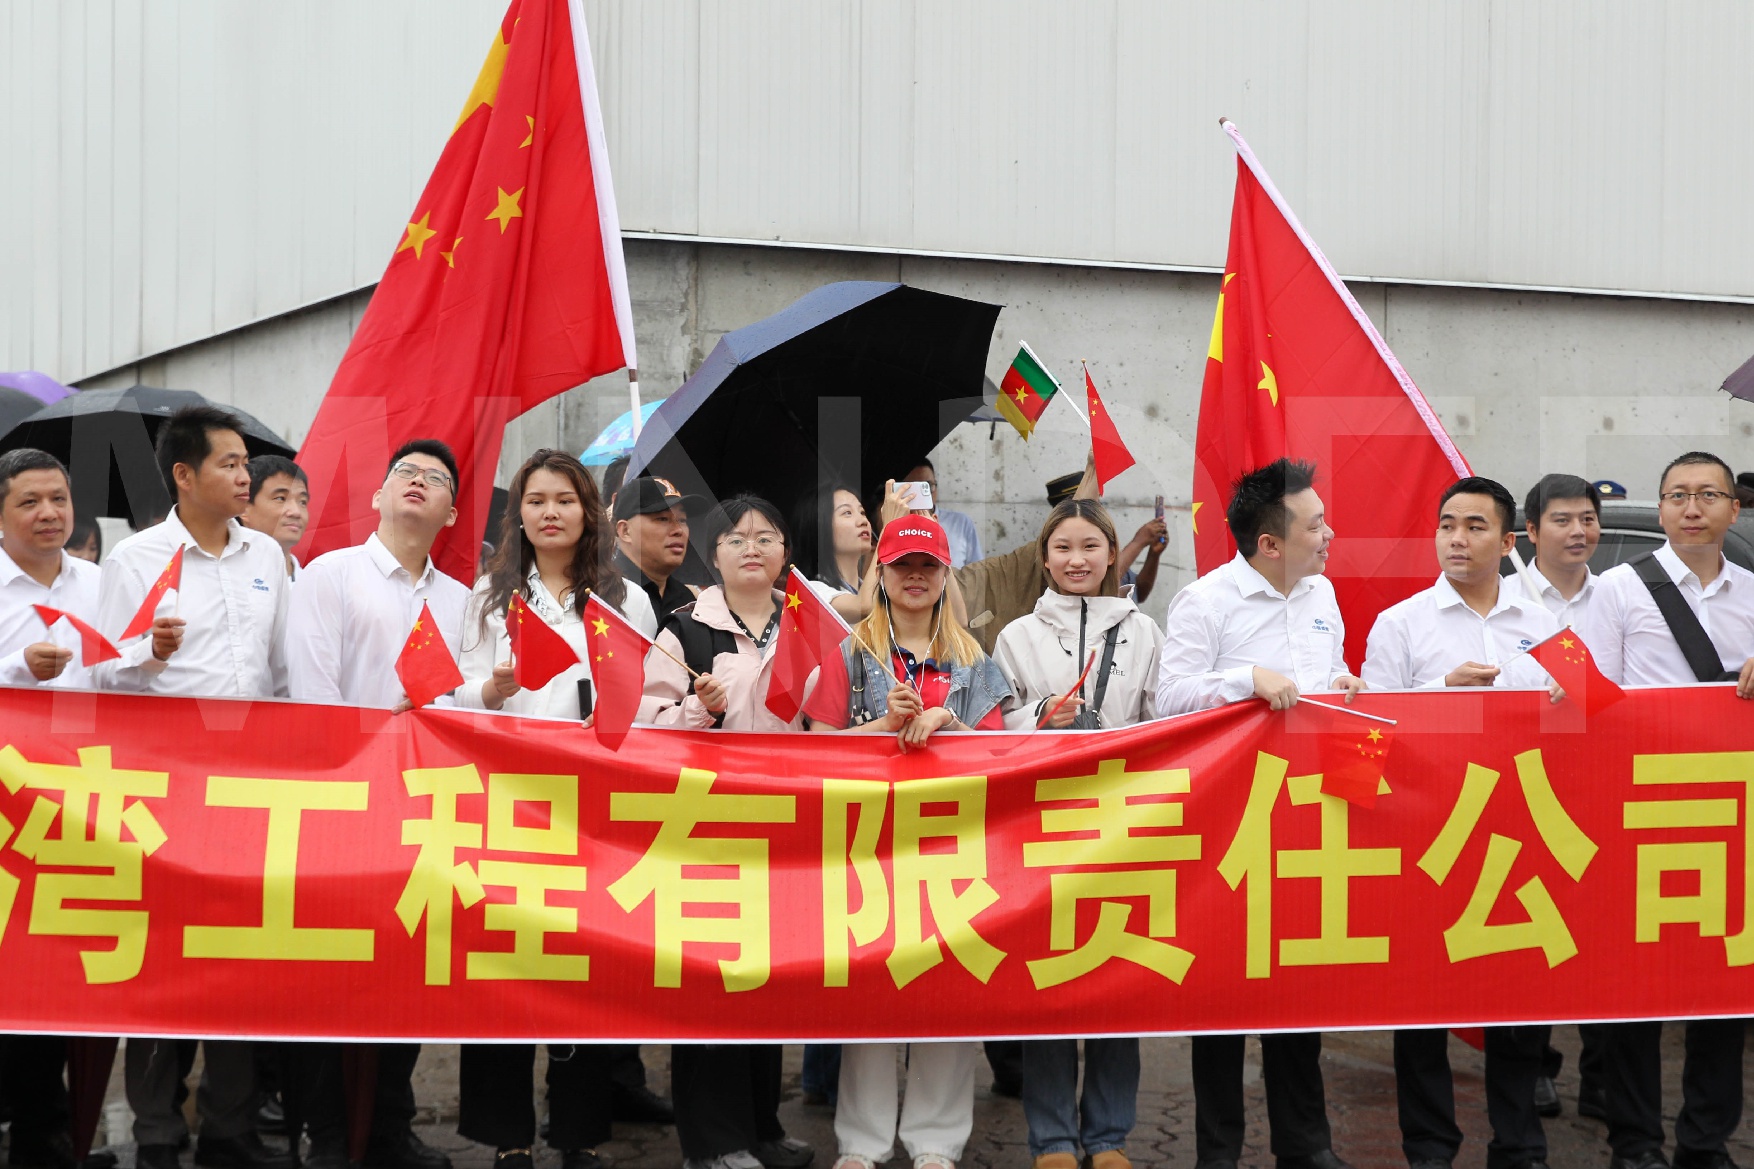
[1039, 654]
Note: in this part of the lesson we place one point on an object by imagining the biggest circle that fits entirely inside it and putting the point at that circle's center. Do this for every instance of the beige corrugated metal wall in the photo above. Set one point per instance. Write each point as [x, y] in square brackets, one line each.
[181, 167]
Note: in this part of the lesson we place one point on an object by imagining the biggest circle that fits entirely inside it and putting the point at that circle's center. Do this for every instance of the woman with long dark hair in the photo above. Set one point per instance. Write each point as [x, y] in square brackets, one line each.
[552, 553]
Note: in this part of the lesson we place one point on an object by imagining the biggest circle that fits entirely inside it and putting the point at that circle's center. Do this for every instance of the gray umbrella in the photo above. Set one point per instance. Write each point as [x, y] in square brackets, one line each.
[106, 436]
[1741, 383]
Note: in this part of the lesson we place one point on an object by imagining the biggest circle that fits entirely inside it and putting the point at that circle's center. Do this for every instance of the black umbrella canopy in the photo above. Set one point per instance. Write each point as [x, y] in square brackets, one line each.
[855, 381]
[15, 407]
[106, 436]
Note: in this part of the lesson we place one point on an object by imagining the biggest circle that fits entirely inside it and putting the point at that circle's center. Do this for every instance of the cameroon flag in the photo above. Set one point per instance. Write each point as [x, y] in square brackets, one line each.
[1026, 391]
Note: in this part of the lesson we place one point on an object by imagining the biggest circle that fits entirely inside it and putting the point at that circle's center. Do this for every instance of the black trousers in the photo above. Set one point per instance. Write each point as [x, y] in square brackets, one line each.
[1711, 1087]
[727, 1096]
[1297, 1110]
[32, 1085]
[1425, 1094]
[497, 1106]
[314, 1097]
[1589, 1058]
[625, 1066]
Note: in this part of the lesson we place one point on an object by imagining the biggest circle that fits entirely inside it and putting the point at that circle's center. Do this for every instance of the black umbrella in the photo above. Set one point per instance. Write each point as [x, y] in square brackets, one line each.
[856, 380]
[99, 431]
[15, 407]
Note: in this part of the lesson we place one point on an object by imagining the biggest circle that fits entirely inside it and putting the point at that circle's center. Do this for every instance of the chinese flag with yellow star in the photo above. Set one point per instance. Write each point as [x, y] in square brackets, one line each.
[171, 578]
[506, 288]
[1568, 660]
[1352, 747]
[539, 654]
[1296, 369]
[618, 669]
[1110, 453]
[810, 633]
[425, 666]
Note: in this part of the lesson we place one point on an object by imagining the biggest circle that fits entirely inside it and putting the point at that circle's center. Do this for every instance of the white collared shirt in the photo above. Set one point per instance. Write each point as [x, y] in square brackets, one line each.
[351, 614]
[482, 651]
[1630, 640]
[1573, 612]
[74, 591]
[1231, 620]
[1420, 640]
[234, 604]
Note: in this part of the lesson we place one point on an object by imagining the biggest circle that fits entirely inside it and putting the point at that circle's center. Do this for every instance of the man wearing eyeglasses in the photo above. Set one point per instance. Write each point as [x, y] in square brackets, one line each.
[1678, 615]
[349, 620]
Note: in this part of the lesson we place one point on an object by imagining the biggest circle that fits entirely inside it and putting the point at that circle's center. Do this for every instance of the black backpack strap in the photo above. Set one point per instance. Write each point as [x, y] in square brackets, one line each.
[701, 644]
[1090, 715]
[1702, 656]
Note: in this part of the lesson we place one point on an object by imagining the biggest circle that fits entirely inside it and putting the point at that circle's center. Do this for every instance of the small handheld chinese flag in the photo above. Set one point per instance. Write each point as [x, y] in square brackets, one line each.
[1568, 660]
[1111, 454]
[425, 664]
[1352, 746]
[618, 669]
[810, 633]
[170, 578]
[94, 647]
[539, 655]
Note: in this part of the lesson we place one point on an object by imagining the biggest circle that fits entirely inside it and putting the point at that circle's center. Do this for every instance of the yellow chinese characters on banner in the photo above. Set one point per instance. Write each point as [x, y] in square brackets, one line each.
[1707, 861]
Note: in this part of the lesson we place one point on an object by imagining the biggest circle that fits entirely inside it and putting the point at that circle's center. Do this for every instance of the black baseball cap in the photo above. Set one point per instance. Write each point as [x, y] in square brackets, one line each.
[649, 495]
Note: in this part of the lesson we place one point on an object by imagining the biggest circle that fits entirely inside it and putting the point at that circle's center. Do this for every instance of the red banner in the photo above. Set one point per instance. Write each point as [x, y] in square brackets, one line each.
[274, 869]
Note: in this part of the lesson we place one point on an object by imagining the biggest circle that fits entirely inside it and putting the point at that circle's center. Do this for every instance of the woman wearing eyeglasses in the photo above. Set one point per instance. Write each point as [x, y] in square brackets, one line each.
[910, 669]
[1080, 620]
[728, 1094]
[551, 553]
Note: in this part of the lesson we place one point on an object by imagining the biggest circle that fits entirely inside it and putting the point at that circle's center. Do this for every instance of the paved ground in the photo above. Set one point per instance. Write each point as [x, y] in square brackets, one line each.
[1361, 1104]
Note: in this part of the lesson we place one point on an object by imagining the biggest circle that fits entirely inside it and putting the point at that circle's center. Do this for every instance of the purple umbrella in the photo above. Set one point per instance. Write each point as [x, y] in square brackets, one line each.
[40, 386]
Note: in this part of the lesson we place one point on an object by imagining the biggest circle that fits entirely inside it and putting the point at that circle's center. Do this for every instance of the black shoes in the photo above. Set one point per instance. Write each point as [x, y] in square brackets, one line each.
[156, 1157]
[407, 1151]
[241, 1152]
[514, 1159]
[580, 1159]
[1326, 1159]
[785, 1153]
[1592, 1101]
[1546, 1097]
[1653, 1159]
[639, 1105]
[1690, 1160]
[271, 1117]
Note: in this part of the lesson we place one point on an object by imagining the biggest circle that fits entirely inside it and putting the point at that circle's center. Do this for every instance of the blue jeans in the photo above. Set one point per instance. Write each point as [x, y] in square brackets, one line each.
[1060, 1121]
[822, 1069]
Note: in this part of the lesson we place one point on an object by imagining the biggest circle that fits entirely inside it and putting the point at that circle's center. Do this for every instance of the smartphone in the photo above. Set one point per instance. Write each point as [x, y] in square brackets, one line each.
[1164, 539]
[916, 493]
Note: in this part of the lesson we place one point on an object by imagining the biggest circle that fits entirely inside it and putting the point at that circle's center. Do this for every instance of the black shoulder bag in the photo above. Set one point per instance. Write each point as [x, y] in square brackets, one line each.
[1702, 656]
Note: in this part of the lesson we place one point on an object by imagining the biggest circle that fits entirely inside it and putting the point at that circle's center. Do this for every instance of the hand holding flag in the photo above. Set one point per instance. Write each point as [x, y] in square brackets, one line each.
[1568, 660]
[1109, 452]
[170, 578]
[618, 669]
[94, 647]
[810, 633]
[539, 654]
[425, 665]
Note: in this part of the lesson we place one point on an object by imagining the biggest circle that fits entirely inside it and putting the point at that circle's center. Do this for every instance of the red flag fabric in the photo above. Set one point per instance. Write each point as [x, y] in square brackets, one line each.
[810, 633]
[1351, 746]
[1112, 455]
[170, 578]
[506, 288]
[618, 669]
[425, 665]
[94, 647]
[1295, 368]
[1569, 661]
[539, 654]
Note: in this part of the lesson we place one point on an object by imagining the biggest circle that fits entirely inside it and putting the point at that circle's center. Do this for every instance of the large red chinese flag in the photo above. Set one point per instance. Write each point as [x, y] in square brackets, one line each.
[810, 633]
[507, 287]
[618, 670]
[539, 654]
[1295, 368]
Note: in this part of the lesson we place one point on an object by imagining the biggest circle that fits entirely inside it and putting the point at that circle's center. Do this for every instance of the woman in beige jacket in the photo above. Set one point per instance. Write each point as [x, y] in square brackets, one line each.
[1042, 655]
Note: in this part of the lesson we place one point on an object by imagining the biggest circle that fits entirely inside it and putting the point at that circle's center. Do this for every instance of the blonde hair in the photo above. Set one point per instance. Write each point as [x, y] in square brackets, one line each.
[1095, 513]
[951, 643]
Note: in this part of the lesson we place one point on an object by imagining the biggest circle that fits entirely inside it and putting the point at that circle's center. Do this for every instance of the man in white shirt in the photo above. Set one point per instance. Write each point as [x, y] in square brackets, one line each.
[280, 503]
[1466, 630]
[1635, 645]
[351, 614]
[1265, 625]
[36, 513]
[219, 636]
[1563, 514]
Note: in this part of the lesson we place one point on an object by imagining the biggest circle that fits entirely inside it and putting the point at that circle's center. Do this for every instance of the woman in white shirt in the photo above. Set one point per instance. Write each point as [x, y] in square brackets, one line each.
[551, 552]
[1042, 655]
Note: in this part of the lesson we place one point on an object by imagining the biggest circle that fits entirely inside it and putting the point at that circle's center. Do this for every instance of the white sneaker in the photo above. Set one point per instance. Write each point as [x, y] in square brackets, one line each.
[741, 1159]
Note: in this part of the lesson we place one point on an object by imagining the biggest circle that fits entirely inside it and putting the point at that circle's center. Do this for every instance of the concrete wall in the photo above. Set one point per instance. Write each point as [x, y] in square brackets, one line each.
[1526, 382]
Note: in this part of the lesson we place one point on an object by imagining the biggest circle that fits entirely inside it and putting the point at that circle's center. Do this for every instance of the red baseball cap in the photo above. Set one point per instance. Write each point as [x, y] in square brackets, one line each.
[913, 533]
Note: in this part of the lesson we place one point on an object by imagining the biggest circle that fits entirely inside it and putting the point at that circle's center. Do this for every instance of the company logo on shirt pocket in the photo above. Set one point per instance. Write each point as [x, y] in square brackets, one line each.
[260, 585]
[1523, 645]
[1320, 626]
